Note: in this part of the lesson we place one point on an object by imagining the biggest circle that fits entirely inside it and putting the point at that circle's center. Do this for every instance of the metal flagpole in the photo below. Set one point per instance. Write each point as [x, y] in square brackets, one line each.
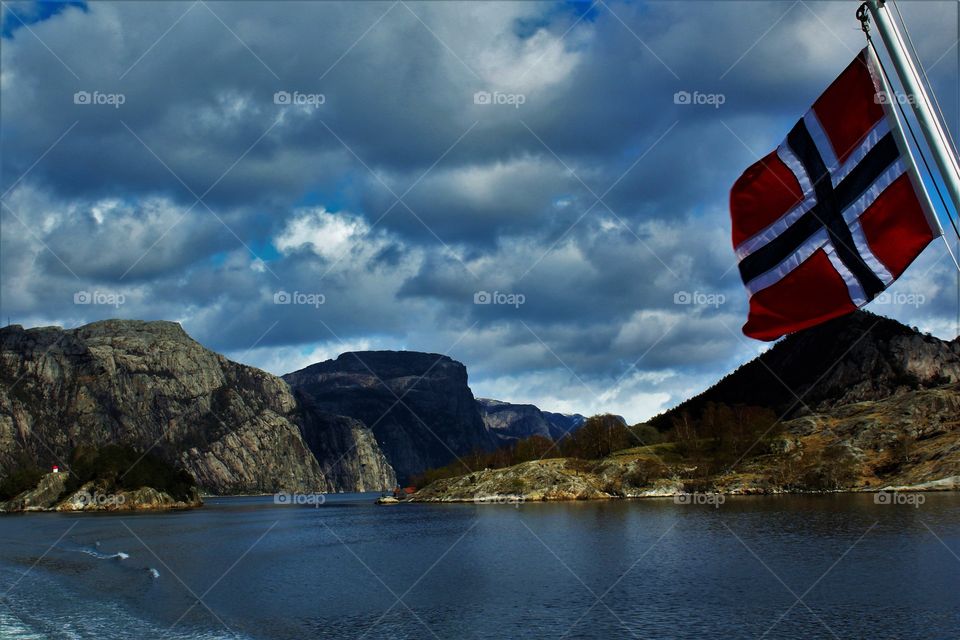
[930, 125]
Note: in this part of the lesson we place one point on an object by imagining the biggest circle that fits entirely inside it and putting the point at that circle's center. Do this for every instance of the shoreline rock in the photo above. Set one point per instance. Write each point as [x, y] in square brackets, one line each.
[555, 481]
[49, 496]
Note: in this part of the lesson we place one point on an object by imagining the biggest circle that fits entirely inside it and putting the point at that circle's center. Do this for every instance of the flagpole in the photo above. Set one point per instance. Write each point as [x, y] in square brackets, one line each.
[930, 125]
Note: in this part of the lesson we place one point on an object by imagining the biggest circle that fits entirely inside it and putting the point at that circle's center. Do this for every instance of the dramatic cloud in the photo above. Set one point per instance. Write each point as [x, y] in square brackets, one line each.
[516, 184]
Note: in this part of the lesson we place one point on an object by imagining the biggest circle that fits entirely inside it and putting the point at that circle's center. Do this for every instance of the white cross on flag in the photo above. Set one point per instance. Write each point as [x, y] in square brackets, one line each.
[835, 214]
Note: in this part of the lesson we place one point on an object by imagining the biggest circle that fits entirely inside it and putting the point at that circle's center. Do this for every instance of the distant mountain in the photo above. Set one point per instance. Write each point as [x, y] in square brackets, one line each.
[856, 358]
[418, 405]
[148, 385]
[511, 422]
[564, 423]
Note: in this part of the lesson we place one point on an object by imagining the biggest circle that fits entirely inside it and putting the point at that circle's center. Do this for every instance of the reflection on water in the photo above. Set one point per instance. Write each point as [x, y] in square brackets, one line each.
[837, 566]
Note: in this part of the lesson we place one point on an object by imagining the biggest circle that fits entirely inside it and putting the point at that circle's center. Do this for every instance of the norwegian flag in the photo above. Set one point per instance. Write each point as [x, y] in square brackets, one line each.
[835, 214]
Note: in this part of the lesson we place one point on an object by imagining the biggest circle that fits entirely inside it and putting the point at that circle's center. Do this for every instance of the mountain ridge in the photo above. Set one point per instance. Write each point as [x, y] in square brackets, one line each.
[858, 357]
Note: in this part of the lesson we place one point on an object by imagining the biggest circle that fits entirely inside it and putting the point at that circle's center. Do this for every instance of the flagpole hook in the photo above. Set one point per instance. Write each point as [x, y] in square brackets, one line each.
[863, 15]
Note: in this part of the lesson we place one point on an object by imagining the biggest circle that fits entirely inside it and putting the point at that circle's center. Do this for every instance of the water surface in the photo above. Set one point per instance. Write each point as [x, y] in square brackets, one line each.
[836, 566]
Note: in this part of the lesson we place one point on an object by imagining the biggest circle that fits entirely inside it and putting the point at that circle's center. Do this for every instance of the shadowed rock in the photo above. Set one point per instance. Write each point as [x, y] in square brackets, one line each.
[417, 405]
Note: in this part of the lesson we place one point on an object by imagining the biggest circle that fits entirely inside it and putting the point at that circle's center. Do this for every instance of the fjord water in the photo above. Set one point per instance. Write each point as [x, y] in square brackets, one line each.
[834, 566]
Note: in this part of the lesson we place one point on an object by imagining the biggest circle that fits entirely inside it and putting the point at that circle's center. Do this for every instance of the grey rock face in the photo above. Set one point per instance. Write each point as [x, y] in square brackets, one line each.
[511, 422]
[347, 450]
[41, 498]
[417, 405]
[149, 385]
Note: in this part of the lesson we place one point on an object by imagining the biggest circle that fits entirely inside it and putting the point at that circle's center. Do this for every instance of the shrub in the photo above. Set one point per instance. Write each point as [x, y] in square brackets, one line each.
[532, 448]
[645, 434]
[126, 468]
[837, 467]
[598, 437]
[24, 476]
[645, 472]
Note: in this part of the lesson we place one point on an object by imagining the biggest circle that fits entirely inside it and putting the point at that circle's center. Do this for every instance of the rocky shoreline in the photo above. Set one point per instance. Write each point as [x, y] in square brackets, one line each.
[51, 494]
[628, 476]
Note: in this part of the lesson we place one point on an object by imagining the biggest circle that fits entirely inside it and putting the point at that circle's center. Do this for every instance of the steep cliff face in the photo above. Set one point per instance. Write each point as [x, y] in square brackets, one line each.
[417, 405]
[857, 358]
[511, 422]
[149, 385]
[346, 449]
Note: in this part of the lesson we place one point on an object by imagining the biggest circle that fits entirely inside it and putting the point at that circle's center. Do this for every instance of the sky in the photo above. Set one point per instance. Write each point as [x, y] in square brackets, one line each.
[522, 186]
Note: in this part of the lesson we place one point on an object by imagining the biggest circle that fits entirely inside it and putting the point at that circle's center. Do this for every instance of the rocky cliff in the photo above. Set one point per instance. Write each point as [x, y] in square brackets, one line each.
[511, 422]
[346, 449]
[148, 385]
[418, 405]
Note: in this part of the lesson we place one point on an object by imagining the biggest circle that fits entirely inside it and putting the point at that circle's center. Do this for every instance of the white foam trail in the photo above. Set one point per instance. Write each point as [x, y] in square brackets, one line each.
[153, 573]
[119, 555]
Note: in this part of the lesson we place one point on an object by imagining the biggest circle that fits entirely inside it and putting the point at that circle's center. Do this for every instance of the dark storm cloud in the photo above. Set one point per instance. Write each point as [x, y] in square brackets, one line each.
[397, 195]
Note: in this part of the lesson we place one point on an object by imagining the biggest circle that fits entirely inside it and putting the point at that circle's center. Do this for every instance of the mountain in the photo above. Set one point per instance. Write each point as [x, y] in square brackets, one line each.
[856, 358]
[859, 403]
[148, 385]
[418, 405]
[346, 449]
[564, 423]
[511, 422]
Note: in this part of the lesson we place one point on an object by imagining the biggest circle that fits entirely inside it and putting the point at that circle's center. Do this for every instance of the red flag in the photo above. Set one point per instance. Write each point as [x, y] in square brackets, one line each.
[834, 215]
